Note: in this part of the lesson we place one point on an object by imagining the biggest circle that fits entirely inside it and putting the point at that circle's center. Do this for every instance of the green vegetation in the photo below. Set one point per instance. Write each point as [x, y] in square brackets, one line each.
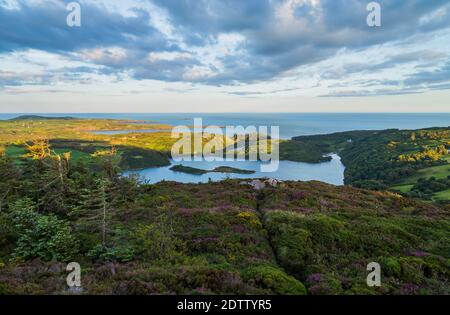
[139, 149]
[302, 151]
[426, 188]
[220, 169]
[62, 199]
[215, 238]
[228, 169]
[188, 170]
[380, 160]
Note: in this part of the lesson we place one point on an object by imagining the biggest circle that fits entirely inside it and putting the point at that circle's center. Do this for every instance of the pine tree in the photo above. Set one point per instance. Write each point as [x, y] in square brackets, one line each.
[110, 161]
[95, 209]
[52, 174]
[10, 176]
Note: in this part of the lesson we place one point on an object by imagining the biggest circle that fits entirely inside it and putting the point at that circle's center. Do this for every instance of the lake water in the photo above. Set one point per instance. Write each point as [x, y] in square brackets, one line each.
[290, 124]
[330, 172]
[122, 132]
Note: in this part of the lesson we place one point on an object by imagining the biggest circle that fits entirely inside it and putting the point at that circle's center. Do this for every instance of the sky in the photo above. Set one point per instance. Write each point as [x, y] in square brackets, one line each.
[224, 56]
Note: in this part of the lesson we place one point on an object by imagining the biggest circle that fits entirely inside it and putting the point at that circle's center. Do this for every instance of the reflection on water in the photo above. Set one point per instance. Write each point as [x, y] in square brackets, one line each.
[330, 172]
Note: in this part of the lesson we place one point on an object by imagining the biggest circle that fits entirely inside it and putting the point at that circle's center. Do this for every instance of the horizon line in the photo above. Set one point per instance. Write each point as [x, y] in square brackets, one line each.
[257, 113]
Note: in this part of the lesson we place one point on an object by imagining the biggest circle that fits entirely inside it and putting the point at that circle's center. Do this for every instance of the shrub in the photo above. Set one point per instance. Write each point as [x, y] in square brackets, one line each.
[41, 236]
[391, 267]
[275, 280]
[117, 253]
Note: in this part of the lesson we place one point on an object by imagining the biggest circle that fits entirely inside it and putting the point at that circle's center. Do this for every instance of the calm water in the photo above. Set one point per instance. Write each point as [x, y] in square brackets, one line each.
[121, 132]
[330, 172]
[291, 124]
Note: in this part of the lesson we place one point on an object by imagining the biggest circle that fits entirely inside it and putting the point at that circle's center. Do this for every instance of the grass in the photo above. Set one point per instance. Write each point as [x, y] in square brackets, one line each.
[15, 152]
[442, 195]
[76, 155]
[403, 188]
[441, 171]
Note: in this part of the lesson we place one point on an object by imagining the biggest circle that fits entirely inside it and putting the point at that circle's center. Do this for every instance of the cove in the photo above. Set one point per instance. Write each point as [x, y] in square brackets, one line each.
[331, 172]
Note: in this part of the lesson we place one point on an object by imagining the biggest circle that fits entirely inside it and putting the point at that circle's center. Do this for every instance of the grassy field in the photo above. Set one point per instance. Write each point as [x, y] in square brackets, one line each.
[442, 195]
[436, 171]
[403, 188]
[439, 172]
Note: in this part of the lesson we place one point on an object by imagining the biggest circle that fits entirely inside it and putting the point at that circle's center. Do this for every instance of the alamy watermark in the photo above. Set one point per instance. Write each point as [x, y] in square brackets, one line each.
[374, 277]
[236, 143]
[73, 279]
[74, 17]
[374, 17]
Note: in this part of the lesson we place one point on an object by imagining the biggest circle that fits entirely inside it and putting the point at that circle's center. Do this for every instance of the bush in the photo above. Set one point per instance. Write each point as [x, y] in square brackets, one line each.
[117, 253]
[41, 236]
[274, 279]
[391, 267]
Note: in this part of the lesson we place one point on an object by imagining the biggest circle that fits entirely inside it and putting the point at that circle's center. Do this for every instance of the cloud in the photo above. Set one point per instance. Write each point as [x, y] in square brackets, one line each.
[419, 58]
[366, 93]
[42, 25]
[430, 77]
[283, 35]
[220, 42]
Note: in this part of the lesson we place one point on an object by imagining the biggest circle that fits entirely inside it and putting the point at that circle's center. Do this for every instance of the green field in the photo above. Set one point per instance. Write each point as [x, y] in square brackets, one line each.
[403, 188]
[442, 171]
[438, 172]
[442, 195]
[17, 153]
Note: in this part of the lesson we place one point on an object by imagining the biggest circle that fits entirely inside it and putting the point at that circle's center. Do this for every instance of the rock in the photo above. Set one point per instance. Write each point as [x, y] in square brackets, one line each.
[272, 182]
[257, 184]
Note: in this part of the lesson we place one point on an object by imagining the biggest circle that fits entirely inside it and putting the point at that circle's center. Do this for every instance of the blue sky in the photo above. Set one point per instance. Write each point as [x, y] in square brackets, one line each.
[224, 55]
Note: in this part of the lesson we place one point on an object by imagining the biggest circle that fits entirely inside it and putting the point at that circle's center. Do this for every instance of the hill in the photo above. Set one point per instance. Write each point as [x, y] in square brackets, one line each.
[215, 238]
[392, 158]
[37, 117]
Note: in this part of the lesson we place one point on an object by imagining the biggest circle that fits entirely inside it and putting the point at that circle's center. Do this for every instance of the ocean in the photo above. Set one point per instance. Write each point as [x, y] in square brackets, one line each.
[291, 124]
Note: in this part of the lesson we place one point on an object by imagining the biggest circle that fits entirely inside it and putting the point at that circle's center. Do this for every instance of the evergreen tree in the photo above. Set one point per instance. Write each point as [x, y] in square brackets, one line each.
[95, 209]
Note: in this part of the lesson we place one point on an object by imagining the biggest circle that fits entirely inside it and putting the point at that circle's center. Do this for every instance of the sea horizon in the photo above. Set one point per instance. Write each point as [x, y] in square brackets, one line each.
[290, 124]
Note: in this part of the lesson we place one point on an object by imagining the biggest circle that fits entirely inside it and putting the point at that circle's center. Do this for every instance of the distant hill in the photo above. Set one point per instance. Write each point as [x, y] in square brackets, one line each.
[37, 117]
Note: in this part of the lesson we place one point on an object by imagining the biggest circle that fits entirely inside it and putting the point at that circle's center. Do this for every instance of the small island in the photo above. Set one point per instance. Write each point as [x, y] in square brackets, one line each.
[221, 169]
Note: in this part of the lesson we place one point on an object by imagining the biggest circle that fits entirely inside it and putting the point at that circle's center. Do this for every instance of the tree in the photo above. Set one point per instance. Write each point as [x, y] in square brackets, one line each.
[59, 164]
[94, 211]
[110, 161]
[10, 176]
[38, 149]
[41, 236]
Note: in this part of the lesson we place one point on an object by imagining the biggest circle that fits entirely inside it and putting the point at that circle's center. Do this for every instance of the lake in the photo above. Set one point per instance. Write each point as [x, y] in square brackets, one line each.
[123, 132]
[329, 172]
